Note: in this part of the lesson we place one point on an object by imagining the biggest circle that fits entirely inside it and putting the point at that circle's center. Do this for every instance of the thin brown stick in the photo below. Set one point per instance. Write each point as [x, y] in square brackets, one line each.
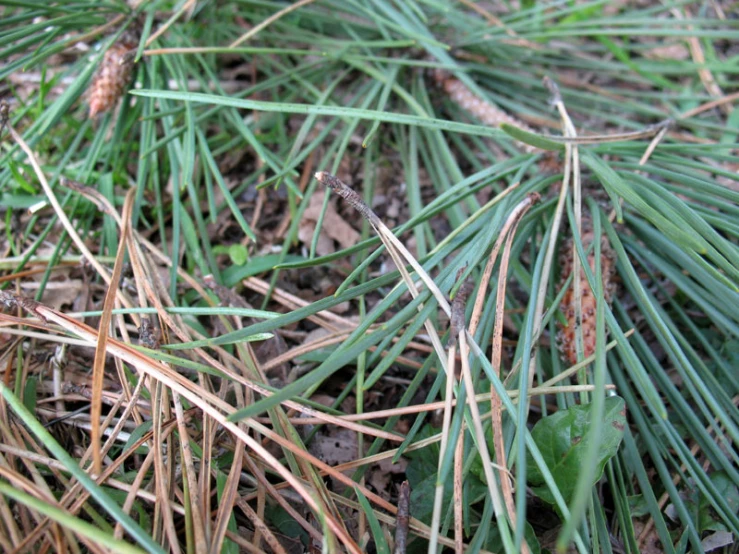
[261, 503]
[395, 248]
[271, 19]
[458, 488]
[496, 404]
[205, 481]
[402, 519]
[188, 5]
[189, 478]
[488, 271]
[699, 58]
[478, 433]
[649, 131]
[98, 367]
[348, 194]
[4, 115]
[163, 521]
[262, 528]
[709, 105]
[135, 488]
[652, 145]
[433, 406]
[228, 498]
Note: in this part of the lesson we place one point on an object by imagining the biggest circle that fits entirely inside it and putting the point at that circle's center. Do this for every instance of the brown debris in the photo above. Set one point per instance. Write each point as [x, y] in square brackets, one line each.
[566, 336]
[403, 518]
[114, 73]
[334, 227]
[484, 110]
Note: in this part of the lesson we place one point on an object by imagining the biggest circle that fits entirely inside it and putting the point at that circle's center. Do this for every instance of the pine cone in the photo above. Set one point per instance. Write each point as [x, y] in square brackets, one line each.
[487, 112]
[566, 335]
[114, 73]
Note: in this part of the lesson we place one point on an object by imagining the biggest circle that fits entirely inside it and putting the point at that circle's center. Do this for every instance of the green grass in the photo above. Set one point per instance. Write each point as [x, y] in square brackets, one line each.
[208, 130]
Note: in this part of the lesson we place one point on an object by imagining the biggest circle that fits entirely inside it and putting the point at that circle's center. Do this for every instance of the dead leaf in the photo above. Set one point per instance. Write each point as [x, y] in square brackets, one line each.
[334, 227]
[381, 473]
[650, 543]
[56, 293]
[668, 52]
[335, 448]
[717, 540]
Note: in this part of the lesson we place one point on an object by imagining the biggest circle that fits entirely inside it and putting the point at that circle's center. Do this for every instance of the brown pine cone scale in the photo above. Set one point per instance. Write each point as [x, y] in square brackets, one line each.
[566, 336]
[113, 75]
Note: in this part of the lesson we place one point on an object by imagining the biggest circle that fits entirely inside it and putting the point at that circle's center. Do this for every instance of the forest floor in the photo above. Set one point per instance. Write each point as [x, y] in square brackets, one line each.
[278, 277]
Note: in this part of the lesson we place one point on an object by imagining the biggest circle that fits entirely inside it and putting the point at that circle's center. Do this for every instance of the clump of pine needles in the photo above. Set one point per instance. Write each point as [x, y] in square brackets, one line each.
[284, 277]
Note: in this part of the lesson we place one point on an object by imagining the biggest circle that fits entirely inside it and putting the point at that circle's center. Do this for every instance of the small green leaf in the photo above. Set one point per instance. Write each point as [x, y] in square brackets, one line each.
[21, 181]
[135, 435]
[285, 523]
[238, 253]
[29, 394]
[422, 497]
[258, 264]
[563, 441]
[638, 506]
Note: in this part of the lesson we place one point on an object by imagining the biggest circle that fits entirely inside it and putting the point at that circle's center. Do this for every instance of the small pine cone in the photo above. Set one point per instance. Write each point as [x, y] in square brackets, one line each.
[566, 336]
[485, 111]
[113, 75]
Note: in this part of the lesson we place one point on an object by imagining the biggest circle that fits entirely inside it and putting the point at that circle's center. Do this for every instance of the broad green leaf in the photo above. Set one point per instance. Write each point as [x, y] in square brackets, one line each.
[708, 520]
[563, 441]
